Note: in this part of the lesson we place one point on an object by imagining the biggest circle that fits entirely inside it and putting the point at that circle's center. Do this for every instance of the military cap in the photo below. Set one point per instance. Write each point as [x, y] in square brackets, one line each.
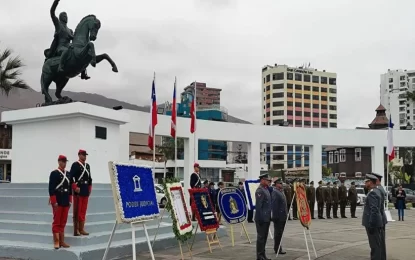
[352, 183]
[264, 176]
[335, 182]
[278, 181]
[328, 183]
[320, 182]
[240, 183]
[82, 152]
[377, 175]
[370, 177]
[311, 182]
[62, 158]
[196, 165]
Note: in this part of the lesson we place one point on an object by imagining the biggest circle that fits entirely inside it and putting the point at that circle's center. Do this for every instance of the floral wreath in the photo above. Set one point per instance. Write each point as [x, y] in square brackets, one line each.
[118, 198]
[184, 232]
[196, 210]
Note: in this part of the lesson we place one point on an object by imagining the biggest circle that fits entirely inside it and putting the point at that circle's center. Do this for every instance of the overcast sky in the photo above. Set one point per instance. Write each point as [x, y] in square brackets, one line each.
[225, 43]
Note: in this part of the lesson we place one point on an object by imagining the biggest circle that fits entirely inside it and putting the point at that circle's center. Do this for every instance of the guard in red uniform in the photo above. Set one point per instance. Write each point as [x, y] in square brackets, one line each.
[82, 186]
[61, 200]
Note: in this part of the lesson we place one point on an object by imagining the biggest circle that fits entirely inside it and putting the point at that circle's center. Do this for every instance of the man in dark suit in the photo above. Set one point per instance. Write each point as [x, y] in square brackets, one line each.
[372, 218]
[262, 216]
[311, 198]
[320, 199]
[279, 215]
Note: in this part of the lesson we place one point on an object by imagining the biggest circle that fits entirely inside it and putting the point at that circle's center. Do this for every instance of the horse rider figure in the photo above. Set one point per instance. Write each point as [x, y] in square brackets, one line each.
[62, 39]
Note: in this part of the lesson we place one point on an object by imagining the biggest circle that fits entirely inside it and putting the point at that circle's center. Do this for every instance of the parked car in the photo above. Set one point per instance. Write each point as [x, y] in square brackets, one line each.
[361, 196]
[161, 197]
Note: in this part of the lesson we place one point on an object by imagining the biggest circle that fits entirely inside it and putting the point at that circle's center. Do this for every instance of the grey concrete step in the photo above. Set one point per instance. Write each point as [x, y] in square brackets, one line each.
[93, 238]
[45, 192]
[47, 216]
[40, 203]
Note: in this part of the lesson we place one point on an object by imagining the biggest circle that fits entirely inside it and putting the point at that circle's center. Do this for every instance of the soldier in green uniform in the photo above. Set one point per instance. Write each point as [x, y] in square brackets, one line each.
[288, 196]
[295, 200]
[335, 195]
[352, 197]
[343, 199]
[311, 198]
[328, 199]
[320, 199]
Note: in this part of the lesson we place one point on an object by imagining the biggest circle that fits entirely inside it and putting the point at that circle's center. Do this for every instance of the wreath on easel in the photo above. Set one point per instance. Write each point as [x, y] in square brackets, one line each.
[181, 237]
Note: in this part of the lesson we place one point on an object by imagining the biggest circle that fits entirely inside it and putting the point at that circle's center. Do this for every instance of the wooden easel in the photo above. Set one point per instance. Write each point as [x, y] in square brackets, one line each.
[243, 229]
[211, 237]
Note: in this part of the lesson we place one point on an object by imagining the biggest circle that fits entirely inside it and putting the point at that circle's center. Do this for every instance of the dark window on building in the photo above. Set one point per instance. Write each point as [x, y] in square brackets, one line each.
[290, 94]
[316, 114]
[290, 76]
[333, 116]
[316, 89]
[307, 105]
[278, 76]
[267, 105]
[323, 115]
[333, 90]
[315, 97]
[316, 123]
[307, 88]
[298, 95]
[289, 112]
[278, 166]
[268, 78]
[290, 121]
[307, 78]
[278, 104]
[298, 123]
[324, 80]
[298, 113]
[101, 132]
[316, 79]
[268, 96]
[324, 90]
[289, 103]
[307, 123]
[298, 104]
[316, 106]
[268, 114]
[278, 86]
[323, 98]
[333, 99]
[290, 164]
[333, 125]
[307, 114]
[278, 149]
[306, 149]
[307, 96]
[277, 122]
[289, 86]
[268, 149]
[278, 157]
[332, 81]
[268, 88]
[278, 95]
[333, 107]
[298, 87]
[278, 112]
[268, 122]
[298, 77]
[323, 124]
[323, 106]
[289, 148]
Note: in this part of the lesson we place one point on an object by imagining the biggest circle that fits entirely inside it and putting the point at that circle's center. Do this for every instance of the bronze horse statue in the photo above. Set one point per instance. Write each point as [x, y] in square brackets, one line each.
[75, 60]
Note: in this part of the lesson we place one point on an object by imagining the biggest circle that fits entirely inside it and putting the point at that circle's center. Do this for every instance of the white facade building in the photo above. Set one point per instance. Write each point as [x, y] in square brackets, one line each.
[393, 88]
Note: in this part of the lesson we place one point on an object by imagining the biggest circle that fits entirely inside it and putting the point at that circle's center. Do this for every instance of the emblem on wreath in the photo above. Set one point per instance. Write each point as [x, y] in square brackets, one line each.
[233, 205]
[204, 201]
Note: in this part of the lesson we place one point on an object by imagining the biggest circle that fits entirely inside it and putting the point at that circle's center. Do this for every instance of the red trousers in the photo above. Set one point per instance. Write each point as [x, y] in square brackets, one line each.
[60, 216]
[82, 207]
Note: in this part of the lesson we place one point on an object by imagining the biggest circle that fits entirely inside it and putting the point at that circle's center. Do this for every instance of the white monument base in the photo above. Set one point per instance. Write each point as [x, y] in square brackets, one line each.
[41, 134]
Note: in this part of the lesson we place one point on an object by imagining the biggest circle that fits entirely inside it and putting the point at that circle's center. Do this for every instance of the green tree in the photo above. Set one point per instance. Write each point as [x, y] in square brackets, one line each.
[10, 71]
[326, 171]
[167, 148]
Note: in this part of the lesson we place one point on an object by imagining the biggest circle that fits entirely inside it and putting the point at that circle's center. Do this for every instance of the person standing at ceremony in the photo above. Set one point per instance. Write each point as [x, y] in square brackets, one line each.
[82, 187]
[311, 198]
[328, 199]
[262, 216]
[352, 197]
[279, 214]
[288, 197]
[400, 202]
[320, 200]
[335, 195]
[343, 199]
[372, 219]
[221, 185]
[195, 183]
[295, 199]
[61, 200]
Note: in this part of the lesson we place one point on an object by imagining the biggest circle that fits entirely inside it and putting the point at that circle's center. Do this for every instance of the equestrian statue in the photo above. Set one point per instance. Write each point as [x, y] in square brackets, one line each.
[66, 59]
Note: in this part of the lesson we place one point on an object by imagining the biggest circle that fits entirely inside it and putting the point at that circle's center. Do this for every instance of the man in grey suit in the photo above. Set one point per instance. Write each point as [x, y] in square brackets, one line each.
[279, 215]
[262, 216]
[372, 218]
[382, 193]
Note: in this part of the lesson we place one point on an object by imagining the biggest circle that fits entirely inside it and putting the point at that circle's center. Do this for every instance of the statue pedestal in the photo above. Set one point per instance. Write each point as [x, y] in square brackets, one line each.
[41, 134]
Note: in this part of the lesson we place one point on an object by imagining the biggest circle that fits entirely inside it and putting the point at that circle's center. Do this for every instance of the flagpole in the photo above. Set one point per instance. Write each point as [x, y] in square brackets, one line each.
[175, 136]
[154, 140]
[195, 157]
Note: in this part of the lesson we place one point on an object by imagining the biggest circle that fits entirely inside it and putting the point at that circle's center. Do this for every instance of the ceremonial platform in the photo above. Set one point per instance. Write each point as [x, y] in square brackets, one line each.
[26, 231]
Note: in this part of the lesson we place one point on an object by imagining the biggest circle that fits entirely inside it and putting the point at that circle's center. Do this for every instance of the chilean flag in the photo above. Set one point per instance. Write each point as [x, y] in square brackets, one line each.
[173, 114]
[153, 117]
[193, 113]
[390, 150]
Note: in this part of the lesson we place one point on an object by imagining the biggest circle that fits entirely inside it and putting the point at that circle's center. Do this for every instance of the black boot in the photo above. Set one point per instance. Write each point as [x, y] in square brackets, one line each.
[399, 218]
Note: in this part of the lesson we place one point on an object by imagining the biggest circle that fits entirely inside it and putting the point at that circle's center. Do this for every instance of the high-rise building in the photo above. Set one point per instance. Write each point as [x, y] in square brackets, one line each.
[296, 97]
[394, 86]
[206, 97]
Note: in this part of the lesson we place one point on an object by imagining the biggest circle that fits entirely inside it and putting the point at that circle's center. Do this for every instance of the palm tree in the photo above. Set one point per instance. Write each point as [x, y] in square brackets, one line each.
[10, 72]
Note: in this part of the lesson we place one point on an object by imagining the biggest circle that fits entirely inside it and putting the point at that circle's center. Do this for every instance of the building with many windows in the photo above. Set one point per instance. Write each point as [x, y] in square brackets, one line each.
[394, 87]
[296, 97]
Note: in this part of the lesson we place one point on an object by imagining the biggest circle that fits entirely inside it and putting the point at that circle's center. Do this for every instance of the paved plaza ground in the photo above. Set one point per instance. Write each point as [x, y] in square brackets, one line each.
[334, 239]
